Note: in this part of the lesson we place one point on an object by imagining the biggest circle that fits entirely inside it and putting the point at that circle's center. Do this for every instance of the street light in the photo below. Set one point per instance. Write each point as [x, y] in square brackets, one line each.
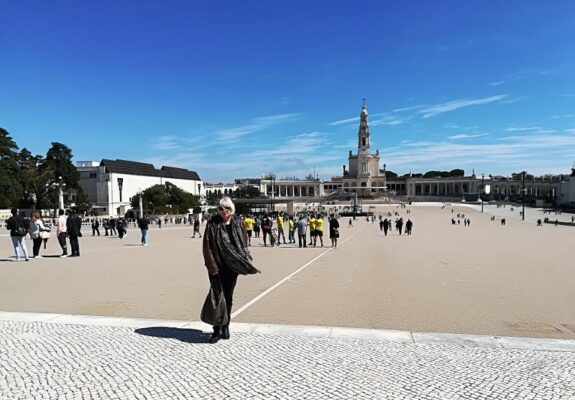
[482, 189]
[523, 196]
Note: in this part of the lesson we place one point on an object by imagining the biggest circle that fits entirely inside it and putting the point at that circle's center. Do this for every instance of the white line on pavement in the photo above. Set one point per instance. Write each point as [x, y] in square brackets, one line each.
[261, 295]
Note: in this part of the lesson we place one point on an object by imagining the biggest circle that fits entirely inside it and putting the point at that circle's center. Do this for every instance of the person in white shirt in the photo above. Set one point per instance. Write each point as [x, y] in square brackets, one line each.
[62, 232]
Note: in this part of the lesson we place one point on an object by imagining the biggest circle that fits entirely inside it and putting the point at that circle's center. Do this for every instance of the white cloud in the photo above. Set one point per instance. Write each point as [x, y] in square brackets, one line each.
[512, 152]
[496, 83]
[433, 110]
[344, 121]
[465, 136]
[256, 125]
[521, 129]
[410, 108]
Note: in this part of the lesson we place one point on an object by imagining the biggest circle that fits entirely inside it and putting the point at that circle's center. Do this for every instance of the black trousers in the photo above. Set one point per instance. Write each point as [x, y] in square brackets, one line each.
[36, 244]
[75, 246]
[302, 240]
[229, 280]
[62, 241]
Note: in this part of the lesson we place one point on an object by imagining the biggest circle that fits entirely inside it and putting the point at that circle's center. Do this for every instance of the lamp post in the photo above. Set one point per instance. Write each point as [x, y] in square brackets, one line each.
[141, 205]
[523, 195]
[482, 190]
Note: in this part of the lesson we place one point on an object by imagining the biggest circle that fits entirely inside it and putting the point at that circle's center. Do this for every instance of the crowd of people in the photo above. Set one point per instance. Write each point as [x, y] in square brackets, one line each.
[67, 228]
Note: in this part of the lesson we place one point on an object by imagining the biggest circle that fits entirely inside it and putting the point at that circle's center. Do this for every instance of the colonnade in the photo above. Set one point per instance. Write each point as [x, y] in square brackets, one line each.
[291, 190]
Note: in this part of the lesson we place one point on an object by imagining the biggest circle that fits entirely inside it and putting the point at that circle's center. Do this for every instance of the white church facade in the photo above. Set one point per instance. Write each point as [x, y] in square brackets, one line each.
[111, 184]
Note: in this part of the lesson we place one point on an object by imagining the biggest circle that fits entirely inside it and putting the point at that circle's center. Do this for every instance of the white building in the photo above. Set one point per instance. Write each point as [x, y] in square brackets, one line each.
[111, 184]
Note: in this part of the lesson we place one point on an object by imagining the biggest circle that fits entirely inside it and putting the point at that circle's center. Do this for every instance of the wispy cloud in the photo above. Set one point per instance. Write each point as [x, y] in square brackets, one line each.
[521, 129]
[164, 143]
[256, 125]
[433, 110]
[344, 121]
[496, 83]
[466, 136]
[512, 152]
[412, 108]
[562, 116]
[388, 120]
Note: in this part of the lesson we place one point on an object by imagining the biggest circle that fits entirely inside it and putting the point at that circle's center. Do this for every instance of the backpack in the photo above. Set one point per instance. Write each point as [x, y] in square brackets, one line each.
[20, 231]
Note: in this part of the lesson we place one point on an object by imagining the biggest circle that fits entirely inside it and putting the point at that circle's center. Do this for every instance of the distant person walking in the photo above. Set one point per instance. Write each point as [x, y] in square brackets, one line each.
[257, 226]
[122, 228]
[399, 225]
[408, 227]
[386, 223]
[144, 224]
[301, 231]
[38, 232]
[197, 227]
[267, 229]
[95, 227]
[333, 231]
[74, 229]
[226, 255]
[62, 232]
[18, 230]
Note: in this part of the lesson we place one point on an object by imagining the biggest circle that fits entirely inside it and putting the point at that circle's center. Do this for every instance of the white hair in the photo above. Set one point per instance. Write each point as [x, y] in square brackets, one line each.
[227, 202]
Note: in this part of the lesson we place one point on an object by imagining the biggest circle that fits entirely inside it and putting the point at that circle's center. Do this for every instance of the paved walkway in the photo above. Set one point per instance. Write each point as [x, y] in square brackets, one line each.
[51, 356]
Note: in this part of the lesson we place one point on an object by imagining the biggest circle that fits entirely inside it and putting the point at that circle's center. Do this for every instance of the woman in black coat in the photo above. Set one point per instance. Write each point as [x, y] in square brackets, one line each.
[333, 230]
[226, 255]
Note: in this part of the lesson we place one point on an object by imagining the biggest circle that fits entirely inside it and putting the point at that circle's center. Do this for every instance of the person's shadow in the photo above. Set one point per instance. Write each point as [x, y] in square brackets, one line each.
[183, 335]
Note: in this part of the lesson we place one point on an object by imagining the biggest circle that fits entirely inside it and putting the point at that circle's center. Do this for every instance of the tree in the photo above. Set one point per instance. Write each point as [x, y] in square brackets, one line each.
[166, 199]
[83, 204]
[390, 175]
[457, 172]
[59, 162]
[433, 174]
[9, 186]
[518, 176]
[247, 192]
[34, 183]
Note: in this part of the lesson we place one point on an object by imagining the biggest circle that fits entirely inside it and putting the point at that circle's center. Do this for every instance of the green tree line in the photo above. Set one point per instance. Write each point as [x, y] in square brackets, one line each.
[31, 180]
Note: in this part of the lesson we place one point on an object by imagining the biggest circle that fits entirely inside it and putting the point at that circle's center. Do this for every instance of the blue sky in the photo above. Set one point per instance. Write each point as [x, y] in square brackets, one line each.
[239, 88]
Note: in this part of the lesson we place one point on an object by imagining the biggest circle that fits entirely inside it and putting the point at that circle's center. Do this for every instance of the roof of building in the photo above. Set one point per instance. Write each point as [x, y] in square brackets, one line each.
[179, 173]
[145, 169]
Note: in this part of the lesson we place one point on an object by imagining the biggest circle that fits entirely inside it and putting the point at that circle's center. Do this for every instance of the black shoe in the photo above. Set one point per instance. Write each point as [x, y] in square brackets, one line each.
[225, 332]
[216, 336]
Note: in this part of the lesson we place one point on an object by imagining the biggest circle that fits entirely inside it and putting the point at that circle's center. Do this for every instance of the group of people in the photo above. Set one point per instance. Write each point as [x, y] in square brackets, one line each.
[68, 228]
[385, 225]
[273, 228]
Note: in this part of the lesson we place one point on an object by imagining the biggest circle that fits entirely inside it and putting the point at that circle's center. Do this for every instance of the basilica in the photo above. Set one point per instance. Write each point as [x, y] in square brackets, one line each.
[363, 174]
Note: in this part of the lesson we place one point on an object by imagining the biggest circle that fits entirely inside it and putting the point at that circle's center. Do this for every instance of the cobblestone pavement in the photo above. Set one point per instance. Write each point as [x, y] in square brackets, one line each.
[44, 360]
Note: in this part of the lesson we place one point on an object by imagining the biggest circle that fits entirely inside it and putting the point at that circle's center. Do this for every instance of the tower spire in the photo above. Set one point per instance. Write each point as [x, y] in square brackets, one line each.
[363, 133]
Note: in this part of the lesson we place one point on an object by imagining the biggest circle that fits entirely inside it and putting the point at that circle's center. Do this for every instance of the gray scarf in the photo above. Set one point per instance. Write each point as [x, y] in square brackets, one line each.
[236, 258]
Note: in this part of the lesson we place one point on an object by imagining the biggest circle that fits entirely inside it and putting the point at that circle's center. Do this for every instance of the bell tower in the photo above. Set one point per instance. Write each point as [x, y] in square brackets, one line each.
[363, 132]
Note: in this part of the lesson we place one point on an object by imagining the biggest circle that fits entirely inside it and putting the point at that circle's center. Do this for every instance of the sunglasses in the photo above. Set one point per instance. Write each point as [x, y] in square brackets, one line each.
[224, 208]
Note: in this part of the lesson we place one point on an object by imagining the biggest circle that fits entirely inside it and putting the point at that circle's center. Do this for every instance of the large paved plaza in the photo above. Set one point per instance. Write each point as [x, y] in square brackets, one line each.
[450, 312]
[513, 280]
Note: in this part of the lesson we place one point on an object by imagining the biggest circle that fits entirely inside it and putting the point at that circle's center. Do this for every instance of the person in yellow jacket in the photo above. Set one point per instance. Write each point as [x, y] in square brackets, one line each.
[318, 230]
[311, 224]
[291, 230]
[280, 222]
[249, 224]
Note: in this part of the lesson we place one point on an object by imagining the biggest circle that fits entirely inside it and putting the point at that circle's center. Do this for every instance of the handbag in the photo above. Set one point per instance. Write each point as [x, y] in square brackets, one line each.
[215, 311]
[44, 234]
